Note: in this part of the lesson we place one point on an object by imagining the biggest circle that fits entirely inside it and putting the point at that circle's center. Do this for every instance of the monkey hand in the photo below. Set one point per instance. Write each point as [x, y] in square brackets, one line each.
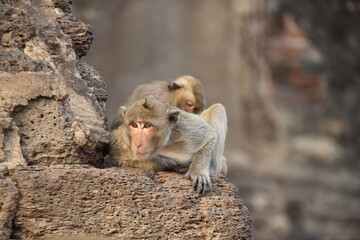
[201, 182]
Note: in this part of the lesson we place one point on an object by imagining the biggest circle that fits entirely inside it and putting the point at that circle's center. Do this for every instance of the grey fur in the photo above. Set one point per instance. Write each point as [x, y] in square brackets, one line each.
[202, 138]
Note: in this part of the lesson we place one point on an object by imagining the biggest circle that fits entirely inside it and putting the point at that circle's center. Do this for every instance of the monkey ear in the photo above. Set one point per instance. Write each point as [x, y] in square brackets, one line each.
[147, 104]
[122, 110]
[174, 116]
[175, 85]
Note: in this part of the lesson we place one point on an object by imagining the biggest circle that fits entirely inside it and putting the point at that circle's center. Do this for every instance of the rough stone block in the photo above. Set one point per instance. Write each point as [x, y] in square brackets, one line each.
[81, 201]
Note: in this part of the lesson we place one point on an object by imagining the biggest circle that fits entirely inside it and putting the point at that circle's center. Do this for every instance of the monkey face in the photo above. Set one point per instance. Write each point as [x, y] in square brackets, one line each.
[148, 124]
[187, 94]
[184, 99]
[142, 139]
[188, 105]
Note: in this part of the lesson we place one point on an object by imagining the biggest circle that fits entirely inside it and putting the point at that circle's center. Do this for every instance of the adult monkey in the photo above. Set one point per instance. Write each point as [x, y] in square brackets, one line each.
[157, 136]
[185, 92]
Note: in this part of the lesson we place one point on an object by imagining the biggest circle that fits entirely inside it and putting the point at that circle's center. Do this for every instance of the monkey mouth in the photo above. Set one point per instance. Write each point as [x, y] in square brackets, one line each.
[141, 153]
[142, 156]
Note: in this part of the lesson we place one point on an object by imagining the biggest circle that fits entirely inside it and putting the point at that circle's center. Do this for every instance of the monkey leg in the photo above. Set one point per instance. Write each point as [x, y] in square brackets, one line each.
[144, 165]
[215, 115]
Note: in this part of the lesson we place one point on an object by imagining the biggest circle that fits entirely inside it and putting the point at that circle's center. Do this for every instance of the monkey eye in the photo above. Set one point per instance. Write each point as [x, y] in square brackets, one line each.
[189, 103]
[134, 125]
[147, 125]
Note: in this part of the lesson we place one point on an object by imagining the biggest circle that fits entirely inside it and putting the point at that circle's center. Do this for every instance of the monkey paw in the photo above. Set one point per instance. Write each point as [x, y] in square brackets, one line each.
[202, 183]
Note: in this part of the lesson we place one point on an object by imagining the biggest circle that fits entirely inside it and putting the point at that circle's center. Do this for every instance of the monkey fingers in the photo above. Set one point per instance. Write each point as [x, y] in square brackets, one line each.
[150, 174]
[201, 183]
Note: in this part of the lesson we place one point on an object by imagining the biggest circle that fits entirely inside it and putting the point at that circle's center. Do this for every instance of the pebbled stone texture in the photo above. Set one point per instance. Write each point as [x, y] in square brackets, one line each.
[52, 116]
[124, 204]
[52, 106]
[8, 203]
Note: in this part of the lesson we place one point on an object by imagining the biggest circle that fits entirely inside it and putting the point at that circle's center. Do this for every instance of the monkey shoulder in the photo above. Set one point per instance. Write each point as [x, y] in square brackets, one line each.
[194, 121]
[193, 131]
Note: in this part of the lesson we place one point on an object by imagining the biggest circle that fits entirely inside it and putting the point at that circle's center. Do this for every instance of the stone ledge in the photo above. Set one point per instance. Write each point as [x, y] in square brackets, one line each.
[82, 201]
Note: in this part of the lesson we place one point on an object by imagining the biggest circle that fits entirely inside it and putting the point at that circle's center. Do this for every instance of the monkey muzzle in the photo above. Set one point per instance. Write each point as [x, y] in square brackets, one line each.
[142, 156]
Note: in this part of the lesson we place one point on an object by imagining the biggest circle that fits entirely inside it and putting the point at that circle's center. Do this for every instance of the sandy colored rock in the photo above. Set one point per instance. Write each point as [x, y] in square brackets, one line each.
[125, 204]
[51, 112]
[8, 204]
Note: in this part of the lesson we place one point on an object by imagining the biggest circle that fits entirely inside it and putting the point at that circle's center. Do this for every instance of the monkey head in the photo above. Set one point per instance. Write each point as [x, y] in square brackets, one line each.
[187, 93]
[148, 124]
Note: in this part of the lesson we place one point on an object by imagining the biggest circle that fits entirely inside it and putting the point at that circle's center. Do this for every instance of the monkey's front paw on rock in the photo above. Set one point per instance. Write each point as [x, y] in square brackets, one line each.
[202, 183]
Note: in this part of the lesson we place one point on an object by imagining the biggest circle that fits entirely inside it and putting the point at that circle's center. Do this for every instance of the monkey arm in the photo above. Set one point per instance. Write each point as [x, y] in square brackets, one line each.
[200, 167]
[165, 163]
[145, 165]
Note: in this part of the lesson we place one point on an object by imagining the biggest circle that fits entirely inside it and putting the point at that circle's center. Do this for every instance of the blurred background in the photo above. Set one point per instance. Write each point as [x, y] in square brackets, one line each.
[288, 73]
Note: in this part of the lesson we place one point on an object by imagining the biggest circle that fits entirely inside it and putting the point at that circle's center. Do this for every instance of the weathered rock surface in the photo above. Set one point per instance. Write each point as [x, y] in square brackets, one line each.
[124, 204]
[8, 204]
[52, 113]
[52, 105]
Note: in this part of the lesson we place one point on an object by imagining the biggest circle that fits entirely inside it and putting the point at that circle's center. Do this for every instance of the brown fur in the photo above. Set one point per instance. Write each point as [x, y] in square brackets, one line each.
[189, 143]
[174, 92]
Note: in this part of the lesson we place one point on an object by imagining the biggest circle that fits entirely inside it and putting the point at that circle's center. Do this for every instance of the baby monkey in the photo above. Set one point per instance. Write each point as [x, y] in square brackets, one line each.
[185, 92]
[157, 136]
